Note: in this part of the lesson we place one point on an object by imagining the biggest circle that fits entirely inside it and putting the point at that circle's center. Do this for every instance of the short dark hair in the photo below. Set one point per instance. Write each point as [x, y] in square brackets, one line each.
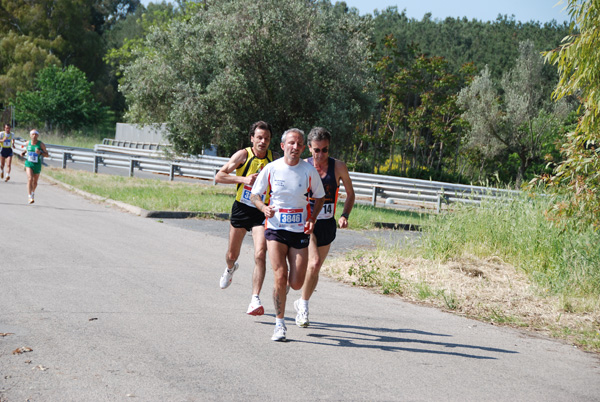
[7, 124]
[263, 125]
[318, 134]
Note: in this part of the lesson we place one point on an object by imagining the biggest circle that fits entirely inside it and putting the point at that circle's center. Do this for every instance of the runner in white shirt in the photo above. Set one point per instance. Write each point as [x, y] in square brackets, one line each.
[289, 219]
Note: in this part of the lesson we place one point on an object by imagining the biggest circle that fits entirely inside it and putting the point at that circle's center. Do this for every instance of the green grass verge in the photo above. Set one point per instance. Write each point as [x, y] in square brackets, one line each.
[160, 195]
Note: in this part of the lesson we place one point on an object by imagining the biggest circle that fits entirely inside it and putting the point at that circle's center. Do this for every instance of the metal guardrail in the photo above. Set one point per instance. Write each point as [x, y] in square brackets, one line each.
[369, 188]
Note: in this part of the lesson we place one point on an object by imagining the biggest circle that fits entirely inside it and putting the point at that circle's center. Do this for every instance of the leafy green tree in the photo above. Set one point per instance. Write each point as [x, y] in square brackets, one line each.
[576, 179]
[37, 33]
[515, 121]
[62, 99]
[225, 64]
[22, 57]
[419, 120]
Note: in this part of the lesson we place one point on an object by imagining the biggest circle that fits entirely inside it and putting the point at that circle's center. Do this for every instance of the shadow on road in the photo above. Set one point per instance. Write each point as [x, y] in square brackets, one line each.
[352, 336]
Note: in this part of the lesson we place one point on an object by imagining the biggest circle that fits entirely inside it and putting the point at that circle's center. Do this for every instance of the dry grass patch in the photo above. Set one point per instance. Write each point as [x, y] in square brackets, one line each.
[486, 289]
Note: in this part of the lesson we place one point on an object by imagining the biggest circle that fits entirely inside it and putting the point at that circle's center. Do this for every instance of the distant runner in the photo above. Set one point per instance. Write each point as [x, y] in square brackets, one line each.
[7, 141]
[247, 163]
[289, 219]
[34, 150]
[331, 172]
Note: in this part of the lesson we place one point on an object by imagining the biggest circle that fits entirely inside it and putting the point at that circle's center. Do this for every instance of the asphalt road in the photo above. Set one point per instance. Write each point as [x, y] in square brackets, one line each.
[116, 307]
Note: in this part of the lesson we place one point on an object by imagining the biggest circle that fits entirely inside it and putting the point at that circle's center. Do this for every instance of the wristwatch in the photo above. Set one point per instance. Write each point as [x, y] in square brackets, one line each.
[345, 215]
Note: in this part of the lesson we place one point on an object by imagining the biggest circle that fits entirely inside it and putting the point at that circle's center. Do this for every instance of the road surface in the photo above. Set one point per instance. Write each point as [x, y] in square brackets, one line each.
[115, 307]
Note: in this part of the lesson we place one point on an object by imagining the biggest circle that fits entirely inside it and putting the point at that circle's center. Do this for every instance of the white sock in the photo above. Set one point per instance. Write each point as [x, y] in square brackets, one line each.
[280, 321]
[303, 304]
[255, 297]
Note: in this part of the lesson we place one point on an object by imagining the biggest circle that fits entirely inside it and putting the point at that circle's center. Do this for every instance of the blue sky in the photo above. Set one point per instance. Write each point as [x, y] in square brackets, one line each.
[486, 10]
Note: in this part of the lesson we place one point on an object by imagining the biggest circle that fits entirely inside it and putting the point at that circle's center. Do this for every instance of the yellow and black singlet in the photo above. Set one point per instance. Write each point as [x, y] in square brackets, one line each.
[252, 165]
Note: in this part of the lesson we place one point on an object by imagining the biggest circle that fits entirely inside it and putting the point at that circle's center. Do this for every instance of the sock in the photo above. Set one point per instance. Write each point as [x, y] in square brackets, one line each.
[255, 297]
[280, 321]
[303, 304]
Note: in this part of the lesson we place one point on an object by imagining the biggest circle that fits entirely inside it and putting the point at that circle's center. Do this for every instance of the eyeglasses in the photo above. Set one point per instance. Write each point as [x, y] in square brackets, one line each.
[324, 150]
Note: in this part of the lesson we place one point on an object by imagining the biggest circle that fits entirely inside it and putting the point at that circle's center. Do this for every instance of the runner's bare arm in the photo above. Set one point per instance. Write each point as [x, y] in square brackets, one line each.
[341, 172]
[237, 159]
[43, 149]
[309, 226]
[261, 206]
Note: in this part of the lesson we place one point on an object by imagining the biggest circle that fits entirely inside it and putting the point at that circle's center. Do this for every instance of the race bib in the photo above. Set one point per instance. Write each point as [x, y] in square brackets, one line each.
[290, 219]
[327, 211]
[245, 199]
[7, 143]
[32, 157]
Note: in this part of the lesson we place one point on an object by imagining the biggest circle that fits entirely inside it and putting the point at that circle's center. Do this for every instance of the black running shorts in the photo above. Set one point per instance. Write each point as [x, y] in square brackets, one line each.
[325, 230]
[291, 239]
[245, 217]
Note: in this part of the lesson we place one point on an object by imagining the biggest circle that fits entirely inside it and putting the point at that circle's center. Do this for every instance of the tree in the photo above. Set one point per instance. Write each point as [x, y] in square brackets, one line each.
[419, 120]
[515, 121]
[226, 64]
[576, 180]
[22, 58]
[62, 99]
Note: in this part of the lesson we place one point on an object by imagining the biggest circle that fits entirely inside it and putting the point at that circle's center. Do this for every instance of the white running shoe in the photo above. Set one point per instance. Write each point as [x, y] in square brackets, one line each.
[31, 201]
[255, 307]
[279, 333]
[7, 177]
[228, 276]
[301, 315]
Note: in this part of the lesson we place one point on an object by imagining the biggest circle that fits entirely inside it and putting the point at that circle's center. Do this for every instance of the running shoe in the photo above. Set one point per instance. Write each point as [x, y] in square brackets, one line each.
[1, 174]
[255, 307]
[7, 177]
[279, 333]
[228, 276]
[301, 315]
[31, 200]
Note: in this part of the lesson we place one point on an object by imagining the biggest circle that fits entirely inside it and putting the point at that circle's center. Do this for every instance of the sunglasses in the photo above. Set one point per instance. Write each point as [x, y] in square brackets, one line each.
[324, 150]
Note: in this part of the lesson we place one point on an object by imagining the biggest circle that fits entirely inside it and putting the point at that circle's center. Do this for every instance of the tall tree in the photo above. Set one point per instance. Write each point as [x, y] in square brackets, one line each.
[576, 180]
[514, 121]
[231, 62]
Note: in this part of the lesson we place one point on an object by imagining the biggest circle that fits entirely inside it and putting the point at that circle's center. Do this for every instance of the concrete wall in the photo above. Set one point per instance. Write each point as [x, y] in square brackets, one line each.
[156, 133]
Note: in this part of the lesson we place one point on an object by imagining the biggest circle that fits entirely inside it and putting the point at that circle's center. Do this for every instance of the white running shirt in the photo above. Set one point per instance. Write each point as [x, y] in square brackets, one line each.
[289, 187]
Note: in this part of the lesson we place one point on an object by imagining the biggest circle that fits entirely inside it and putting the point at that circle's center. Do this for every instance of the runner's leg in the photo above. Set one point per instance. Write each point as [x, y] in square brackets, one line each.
[260, 256]
[298, 259]
[316, 258]
[278, 256]
[236, 237]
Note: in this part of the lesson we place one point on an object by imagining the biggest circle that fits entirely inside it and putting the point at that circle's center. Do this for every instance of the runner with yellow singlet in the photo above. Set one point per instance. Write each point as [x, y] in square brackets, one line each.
[7, 141]
[247, 164]
[33, 152]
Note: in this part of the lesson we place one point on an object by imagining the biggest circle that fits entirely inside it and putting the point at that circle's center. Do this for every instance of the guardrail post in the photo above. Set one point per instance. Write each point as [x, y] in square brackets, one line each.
[374, 196]
[172, 172]
[132, 164]
[440, 196]
[64, 159]
[215, 171]
[96, 162]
